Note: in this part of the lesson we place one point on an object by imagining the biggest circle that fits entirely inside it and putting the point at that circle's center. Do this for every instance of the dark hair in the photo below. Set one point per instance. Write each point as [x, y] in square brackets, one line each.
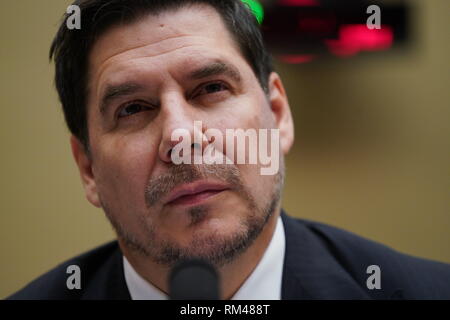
[70, 48]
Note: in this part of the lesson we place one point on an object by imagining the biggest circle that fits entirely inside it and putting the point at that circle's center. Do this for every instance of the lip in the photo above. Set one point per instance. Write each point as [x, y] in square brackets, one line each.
[198, 191]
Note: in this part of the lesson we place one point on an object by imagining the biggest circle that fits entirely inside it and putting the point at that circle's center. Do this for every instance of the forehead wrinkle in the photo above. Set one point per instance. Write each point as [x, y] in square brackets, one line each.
[125, 31]
[105, 64]
[103, 69]
[199, 41]
[158, 42]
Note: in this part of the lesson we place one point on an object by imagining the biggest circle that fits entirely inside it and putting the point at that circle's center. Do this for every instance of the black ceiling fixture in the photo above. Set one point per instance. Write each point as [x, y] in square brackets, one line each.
[301, 30]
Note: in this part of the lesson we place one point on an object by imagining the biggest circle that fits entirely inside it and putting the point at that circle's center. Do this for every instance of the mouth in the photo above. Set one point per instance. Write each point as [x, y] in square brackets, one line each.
[195, 193]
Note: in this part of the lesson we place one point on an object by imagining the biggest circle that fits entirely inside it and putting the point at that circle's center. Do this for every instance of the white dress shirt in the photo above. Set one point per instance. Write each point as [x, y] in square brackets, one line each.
[264, 283]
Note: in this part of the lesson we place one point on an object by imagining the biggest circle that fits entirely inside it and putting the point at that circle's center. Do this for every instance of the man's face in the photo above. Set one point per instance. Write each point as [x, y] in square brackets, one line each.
[147, 79]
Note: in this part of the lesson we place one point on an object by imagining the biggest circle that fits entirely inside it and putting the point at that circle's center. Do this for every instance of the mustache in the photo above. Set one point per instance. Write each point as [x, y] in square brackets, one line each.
[159, 187]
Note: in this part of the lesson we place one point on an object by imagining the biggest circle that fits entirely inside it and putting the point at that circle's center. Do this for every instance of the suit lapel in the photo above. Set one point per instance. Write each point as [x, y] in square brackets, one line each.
[310, 270]
[109, 282]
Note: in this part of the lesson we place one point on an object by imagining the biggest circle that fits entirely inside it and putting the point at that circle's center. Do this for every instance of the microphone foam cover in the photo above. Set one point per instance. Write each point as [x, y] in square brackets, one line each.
[194, 279]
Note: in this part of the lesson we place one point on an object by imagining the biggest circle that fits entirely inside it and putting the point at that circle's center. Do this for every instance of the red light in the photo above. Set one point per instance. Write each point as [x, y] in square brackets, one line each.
[299, 3]
[297, 58]
[357, 37]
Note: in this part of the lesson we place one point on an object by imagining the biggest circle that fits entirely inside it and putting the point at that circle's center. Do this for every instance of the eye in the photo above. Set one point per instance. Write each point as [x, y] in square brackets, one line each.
[132, 108]
[212, 88]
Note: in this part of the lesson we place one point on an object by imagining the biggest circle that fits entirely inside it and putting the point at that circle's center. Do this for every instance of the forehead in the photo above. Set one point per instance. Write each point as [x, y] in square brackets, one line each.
[174, 38]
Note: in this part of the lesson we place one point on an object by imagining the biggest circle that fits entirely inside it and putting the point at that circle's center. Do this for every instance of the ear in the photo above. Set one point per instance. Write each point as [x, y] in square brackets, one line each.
[84, 164]
[282, 112]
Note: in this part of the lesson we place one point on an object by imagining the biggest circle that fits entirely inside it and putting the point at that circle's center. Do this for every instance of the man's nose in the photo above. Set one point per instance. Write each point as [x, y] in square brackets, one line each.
[176, 114]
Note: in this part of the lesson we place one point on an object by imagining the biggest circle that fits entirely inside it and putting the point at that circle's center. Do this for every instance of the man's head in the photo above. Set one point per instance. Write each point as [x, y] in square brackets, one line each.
[137, 71]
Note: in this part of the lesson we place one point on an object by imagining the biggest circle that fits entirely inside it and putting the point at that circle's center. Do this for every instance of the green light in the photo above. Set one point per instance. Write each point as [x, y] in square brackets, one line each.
[256, 8]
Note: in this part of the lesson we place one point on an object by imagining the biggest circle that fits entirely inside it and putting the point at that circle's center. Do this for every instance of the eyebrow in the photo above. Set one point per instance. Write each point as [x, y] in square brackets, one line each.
[214, 69]
[113, 92]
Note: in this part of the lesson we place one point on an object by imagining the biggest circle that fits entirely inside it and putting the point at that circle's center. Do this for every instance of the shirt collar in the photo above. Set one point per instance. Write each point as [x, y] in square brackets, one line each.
[264, 283]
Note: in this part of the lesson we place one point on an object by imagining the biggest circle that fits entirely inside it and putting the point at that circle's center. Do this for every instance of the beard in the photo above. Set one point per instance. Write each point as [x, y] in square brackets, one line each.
[215, 248]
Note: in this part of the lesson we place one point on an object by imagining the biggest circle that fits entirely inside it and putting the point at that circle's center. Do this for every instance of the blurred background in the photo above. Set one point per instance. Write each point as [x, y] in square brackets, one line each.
[371, 110]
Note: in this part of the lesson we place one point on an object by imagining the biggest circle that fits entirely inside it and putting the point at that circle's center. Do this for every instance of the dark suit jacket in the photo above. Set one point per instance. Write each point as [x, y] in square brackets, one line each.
[321, 262]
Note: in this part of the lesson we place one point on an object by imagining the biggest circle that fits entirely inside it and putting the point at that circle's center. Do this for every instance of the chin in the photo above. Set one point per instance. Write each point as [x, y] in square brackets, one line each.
[212, 225]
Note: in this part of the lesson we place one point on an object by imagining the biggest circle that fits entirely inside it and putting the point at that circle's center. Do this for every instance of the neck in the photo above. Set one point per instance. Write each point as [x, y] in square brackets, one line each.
[232, 275]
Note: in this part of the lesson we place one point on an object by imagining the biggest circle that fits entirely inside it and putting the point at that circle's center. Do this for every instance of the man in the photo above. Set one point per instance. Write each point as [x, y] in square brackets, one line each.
[138, 71]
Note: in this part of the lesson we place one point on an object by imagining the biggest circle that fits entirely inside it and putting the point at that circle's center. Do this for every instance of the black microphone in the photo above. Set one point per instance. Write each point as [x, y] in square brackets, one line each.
[194, 279]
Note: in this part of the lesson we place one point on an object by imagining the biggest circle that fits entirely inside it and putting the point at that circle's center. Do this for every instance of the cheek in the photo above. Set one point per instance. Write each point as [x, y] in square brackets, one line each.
[245, 112]
[124, 167]
[248, 112]
[259, 186]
